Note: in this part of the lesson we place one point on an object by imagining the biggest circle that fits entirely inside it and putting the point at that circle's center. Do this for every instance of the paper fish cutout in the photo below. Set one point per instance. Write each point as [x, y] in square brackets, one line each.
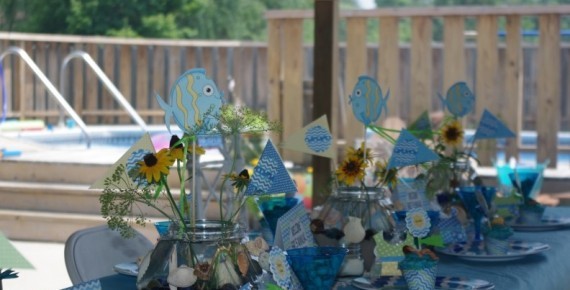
[421, 127]
[459, 99]
[408, 150]
[490, 127]
[270, 175]
[367, 100]
[194, 101]
[451, 229]
[314, 138]
[143, 144]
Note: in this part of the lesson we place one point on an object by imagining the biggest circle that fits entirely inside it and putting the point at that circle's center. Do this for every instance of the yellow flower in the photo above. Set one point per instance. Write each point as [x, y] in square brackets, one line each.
[239, 181]
[389, 176]
[359, 153]
[154, 166]
[452, 133]
[351, 169]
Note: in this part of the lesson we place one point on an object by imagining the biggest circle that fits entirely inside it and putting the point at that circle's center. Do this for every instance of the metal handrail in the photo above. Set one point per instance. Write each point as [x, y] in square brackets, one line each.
[106, 81]
[49, 86]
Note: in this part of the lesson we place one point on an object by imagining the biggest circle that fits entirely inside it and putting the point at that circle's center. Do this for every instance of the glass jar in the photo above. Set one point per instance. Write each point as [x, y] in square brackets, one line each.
[212, 248]
[372, 206]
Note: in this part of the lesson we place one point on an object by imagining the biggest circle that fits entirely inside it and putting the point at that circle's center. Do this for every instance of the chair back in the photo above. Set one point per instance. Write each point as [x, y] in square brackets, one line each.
[91, 253]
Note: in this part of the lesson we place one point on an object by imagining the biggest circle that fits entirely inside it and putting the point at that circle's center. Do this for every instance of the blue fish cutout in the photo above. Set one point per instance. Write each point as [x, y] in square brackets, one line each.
[490, 127]
[459, 100]
[367, 100]
[195, 101]
[408, 150]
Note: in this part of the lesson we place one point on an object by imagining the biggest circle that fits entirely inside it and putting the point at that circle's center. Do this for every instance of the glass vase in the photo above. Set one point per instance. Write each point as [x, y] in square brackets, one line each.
[371, 205]
[212, 248]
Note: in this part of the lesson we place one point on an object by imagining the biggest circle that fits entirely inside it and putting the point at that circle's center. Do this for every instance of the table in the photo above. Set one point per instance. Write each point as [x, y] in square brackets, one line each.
[549, 270]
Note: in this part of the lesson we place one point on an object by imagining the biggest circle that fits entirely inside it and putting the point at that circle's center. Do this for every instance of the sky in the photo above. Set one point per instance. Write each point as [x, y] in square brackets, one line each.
[366, 4]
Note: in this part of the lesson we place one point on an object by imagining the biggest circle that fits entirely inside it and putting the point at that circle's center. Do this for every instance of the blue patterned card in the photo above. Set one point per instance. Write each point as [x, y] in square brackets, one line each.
[451, 229]
[490, 127]
[270, 175]
[411, 193]
[410, 151]
[293, 229]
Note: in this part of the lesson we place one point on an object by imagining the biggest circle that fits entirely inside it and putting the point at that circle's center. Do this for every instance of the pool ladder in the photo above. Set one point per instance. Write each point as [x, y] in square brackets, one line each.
[50, 87]
[61, 100]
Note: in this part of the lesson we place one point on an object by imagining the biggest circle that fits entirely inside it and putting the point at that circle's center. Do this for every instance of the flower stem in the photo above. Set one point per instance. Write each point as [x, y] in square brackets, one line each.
[173, 203]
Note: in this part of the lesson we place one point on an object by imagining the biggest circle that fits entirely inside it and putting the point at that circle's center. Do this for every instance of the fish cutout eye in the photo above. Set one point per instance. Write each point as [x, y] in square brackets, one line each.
[466, 94]
[357, 93]
[208, 90]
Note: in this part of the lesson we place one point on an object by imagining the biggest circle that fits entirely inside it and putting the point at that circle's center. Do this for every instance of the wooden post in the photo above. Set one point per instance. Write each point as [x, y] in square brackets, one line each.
[513, 83]
[142, 94]
[548, 113]
[389, 62]
[486, 88]
[355, 66]
[421, 60]
[274, 98]
[325, 86]
[125, 72]
[454, 51]
[292, 30]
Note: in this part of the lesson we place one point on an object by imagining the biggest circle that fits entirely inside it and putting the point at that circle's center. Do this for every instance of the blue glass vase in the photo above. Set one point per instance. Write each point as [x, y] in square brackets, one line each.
[468, 195]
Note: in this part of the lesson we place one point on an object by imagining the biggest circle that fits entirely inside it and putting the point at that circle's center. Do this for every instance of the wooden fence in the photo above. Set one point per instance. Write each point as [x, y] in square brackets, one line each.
[527, 85]
[496, 79]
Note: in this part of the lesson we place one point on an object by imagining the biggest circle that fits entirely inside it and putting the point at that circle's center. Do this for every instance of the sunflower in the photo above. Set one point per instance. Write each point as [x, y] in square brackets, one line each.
[351, 169]
[452, 134]
[177, 150]
[359, 153]
[390, 177]
[153, 166]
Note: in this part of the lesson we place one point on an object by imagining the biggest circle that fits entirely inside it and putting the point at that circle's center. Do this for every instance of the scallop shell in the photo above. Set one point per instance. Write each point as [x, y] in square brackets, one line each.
[353, 231]
[243, 263]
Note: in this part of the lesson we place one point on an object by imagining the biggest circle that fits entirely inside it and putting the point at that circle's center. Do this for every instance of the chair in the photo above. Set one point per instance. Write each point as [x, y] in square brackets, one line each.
[91, 253]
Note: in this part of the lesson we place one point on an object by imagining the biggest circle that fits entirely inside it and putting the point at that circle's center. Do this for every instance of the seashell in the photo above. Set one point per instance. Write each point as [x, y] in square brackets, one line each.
[354, 231]
[261, 244]
[243, 263]
[226, 273]
[182, 276]
[263, 261]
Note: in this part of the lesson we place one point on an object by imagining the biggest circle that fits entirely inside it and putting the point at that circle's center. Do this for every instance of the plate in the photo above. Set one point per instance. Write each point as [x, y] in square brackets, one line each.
[475, 251]
[441, 282]
[547, 224]
[131, 269]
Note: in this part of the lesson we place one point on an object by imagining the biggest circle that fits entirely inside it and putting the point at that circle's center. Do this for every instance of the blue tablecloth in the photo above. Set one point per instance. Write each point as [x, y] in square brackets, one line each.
[549, 270]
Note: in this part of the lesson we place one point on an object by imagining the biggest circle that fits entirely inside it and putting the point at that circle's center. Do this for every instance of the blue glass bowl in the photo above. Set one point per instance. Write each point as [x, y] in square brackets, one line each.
[274, 208]
[471, 204]
[528, 180]
[162, 227]
[316, 267]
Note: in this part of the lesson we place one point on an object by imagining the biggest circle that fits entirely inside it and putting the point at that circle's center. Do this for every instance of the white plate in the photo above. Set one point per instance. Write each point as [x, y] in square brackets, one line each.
[547, 224]
[475, 251]
[131, 269]
[442, 283]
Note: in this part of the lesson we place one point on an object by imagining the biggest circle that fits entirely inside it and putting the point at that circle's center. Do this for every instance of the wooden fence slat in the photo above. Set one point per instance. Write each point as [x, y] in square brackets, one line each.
[158, 82]
[454, 51]
[27, 105]
[548, 115]
[274, 48]
[19, 100]
[389, 62]
[223, 71]
[142, 93]
[125, 80]
[486, 87]
[292, 81]
[78, 82]
[421, 66]
[91, 96]
[356, 61]
[6, 65]
[107, 101]
[513, 83]
[262, 78]
[238, 64]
